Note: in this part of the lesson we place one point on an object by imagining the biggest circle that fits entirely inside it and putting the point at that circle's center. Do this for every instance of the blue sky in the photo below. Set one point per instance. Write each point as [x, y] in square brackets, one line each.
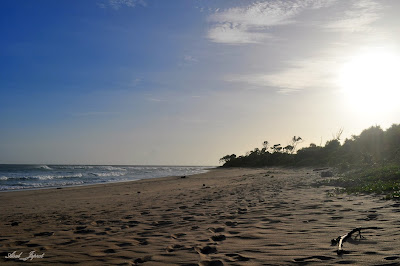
[187, 82]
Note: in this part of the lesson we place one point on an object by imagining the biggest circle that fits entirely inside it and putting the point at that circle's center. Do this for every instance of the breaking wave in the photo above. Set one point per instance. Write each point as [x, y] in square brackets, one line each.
[14, 177]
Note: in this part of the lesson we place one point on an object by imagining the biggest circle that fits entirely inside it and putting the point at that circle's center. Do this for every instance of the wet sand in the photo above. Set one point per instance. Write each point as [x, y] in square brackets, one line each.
[224, 217]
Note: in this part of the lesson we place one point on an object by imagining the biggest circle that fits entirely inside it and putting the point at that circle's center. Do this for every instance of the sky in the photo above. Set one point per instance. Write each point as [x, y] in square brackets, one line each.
[155, 82]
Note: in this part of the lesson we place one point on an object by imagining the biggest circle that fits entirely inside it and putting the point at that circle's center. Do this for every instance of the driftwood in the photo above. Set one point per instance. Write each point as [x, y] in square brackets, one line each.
[341, 239]
[320, 169]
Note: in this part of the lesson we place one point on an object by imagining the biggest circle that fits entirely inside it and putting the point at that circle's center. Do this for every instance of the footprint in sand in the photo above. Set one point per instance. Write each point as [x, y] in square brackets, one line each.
[142, 260]
[97, 223]
[206, 250]
[237, 257]
[172, 248]
[162, 223]
[44, 234]
[218, 237]
[392, 258]
[230, 223]
[142, 241]
[82, 230]
[133, 223]
[68, 242]
[176, 236]
[124, 244]
[216, 230]
[242, 211]
[109, 251]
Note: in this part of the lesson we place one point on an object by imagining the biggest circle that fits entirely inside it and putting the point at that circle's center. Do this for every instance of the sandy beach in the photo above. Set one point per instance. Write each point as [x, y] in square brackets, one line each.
[223, 217]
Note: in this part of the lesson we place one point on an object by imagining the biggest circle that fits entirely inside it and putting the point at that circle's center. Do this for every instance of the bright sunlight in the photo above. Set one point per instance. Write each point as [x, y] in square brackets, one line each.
[370, 81]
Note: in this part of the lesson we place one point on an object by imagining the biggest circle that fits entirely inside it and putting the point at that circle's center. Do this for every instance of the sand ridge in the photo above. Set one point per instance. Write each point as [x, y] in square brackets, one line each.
[224, 217]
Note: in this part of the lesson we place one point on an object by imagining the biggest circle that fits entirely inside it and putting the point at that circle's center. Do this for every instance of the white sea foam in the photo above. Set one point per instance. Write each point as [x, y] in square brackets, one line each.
[73, 167]
[44, 167]
[109, 174]
[111, 168]
[38, 176]
[43, 177]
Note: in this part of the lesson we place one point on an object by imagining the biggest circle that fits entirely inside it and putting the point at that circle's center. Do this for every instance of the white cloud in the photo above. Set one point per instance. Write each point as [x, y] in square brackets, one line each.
[154, 100]
[187, 60]
[253, 23]
[236, 34]
[298, 76]
[190, 59]
[249, 24]
[359, 17]
[117, 4]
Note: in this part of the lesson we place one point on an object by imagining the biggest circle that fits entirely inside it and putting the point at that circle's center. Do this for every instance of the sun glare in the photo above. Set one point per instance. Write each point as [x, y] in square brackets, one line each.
[371, 81]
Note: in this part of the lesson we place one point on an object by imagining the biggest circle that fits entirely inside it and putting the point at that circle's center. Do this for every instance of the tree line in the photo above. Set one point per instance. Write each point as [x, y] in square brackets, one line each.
[374, 146]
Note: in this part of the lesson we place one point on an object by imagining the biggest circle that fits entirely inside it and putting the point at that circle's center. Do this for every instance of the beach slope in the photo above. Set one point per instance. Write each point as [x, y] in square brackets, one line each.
[223, 217]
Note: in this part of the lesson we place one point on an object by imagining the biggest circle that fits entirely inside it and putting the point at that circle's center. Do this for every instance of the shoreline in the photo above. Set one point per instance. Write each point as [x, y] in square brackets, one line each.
[222, 217]
[98, 184]
[125, 178]
[93, 184]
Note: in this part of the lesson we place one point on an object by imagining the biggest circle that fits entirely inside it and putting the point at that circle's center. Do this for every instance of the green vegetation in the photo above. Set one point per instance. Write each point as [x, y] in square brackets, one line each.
[370, 161]
[384, 180]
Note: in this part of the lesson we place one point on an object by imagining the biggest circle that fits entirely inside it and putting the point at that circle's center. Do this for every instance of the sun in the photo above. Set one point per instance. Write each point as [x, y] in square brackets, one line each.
[370, 81]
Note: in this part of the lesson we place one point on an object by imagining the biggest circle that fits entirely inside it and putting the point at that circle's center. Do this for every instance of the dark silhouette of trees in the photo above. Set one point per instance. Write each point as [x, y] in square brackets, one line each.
[227, 158]
[373, 146]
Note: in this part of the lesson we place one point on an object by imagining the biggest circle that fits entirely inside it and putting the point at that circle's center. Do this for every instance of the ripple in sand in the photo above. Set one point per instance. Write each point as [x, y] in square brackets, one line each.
[21, 242]
[313, 258]
[84, 231]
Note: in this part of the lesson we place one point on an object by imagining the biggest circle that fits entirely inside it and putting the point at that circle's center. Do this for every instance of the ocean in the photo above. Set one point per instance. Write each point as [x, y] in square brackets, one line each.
[19, 177]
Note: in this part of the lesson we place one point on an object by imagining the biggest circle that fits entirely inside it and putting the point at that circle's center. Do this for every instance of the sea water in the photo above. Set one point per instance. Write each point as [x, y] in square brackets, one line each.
[17, 177]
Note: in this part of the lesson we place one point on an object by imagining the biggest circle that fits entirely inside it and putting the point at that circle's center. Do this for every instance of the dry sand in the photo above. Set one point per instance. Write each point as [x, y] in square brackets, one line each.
[224, 217]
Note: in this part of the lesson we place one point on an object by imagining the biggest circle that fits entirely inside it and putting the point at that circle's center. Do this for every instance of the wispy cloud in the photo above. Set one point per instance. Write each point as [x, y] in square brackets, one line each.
[154, 100]
[359, 17]
[297, 76]
[187, 60]
[233, 33]
[253, 23]
[117, 4]
[250, 24]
